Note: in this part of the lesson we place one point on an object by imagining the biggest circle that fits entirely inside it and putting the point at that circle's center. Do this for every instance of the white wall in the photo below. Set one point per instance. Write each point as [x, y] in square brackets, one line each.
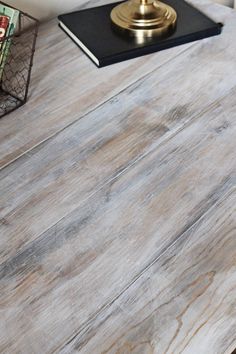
[49, 8]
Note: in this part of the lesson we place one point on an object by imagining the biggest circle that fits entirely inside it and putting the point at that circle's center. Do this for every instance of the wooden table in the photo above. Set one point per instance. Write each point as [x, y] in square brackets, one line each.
[117, 202]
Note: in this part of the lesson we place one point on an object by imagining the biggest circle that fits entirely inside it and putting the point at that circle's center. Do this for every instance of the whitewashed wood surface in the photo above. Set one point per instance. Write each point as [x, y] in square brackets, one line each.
[117, 202]
[185, 300]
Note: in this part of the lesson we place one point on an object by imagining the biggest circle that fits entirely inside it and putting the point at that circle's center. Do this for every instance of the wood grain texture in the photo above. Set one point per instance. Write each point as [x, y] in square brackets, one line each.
[79, 266]
[99, 188]
[56, 177]
[66, 86]
[185, 302]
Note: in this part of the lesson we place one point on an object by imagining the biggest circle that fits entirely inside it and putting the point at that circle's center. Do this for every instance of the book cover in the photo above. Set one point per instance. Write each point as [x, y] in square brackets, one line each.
[91, 30]
[13, 16]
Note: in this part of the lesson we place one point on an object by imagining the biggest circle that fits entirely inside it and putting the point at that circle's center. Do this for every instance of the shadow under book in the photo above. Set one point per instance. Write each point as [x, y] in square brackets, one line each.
[92, 31]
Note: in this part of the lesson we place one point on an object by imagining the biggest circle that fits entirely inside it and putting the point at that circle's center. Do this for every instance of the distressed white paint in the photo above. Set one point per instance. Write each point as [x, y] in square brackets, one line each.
[117, 202]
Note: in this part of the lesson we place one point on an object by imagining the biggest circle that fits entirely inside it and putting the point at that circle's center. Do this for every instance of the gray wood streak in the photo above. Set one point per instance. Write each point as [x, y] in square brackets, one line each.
[117, 217]
[81, 264]
[66, 86]
[184, 303]
[68, 168]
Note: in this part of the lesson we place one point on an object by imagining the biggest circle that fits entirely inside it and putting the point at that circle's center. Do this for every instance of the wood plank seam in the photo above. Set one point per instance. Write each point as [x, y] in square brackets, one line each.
[74, 269]
[98, 106]
[167, 248]
[225, 193]
[225, 181]
[136, 161]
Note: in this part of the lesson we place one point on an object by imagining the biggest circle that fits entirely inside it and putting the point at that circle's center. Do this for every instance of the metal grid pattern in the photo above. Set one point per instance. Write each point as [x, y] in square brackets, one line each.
[16, 71]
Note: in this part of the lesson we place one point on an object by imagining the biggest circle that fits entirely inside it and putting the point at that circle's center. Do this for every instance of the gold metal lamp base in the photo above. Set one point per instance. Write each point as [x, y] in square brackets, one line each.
[144, 18]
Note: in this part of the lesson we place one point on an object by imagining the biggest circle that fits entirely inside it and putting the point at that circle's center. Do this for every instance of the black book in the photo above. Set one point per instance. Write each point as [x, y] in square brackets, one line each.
[92, 31]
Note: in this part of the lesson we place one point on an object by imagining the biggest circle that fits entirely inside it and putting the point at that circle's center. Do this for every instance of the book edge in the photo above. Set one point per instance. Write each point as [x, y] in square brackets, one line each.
[214, 29]
[79, 43]
[190, 38]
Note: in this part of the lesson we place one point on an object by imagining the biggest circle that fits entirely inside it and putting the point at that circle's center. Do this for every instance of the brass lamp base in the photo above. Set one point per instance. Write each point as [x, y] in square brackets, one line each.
[144, 18]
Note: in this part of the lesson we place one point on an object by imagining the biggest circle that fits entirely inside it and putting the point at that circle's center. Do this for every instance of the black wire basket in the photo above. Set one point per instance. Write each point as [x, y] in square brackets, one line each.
[16, 71]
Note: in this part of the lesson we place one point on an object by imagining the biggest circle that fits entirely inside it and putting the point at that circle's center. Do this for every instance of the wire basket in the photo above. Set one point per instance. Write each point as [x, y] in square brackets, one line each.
[16, 72]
